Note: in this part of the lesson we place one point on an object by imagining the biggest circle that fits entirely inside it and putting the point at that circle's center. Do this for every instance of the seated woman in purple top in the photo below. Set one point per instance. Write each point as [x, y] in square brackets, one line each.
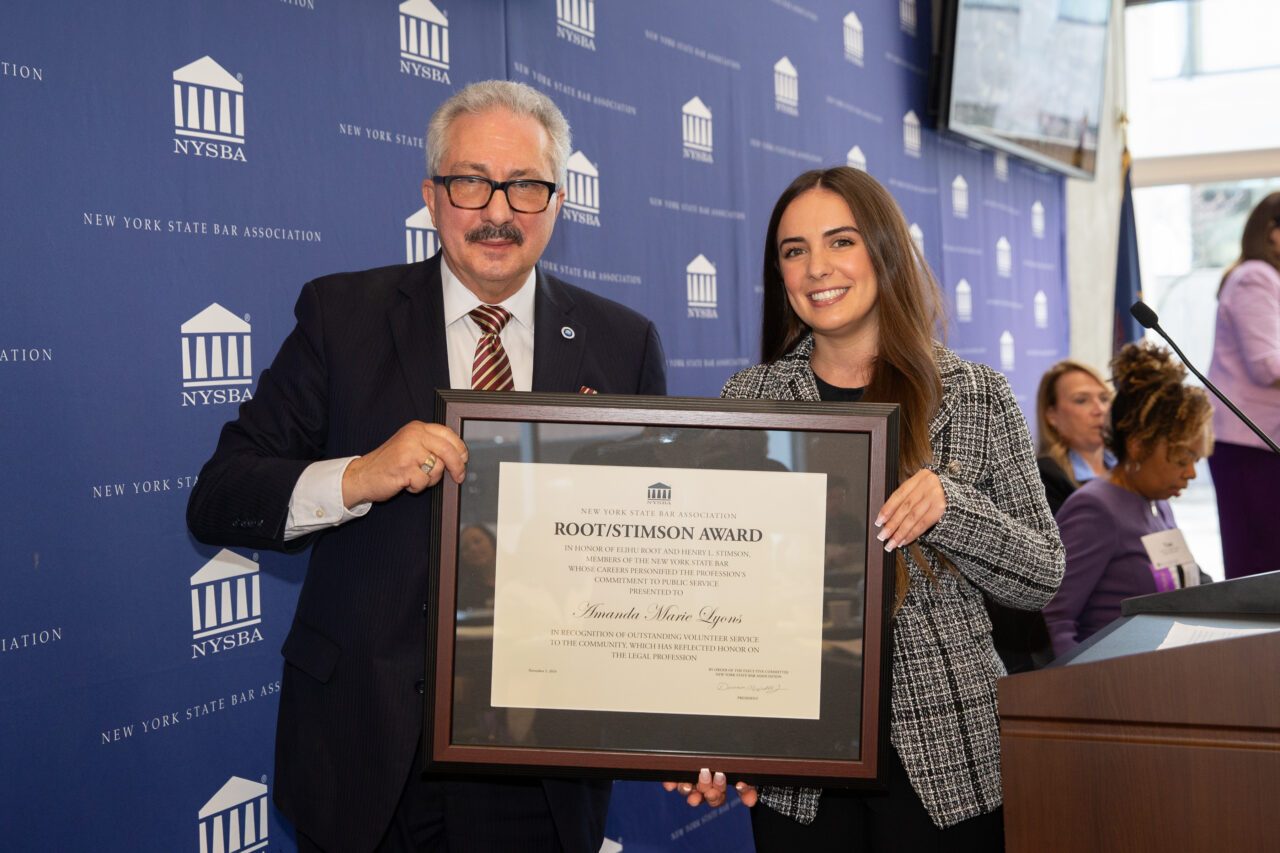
[1246, 366]
[1160, 428]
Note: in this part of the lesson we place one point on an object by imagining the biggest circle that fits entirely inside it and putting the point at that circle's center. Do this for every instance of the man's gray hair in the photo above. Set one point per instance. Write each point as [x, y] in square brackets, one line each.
[517, 98]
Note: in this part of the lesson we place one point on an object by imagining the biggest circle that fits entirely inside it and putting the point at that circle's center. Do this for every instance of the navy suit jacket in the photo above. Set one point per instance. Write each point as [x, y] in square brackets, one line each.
[364, 359]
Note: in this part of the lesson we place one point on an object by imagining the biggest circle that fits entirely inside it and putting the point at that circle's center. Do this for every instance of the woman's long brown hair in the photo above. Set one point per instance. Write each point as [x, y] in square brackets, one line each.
[908, 310]
[1255, 241]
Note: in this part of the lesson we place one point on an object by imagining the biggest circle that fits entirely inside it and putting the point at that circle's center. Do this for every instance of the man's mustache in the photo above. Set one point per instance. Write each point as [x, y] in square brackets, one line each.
[507, 231]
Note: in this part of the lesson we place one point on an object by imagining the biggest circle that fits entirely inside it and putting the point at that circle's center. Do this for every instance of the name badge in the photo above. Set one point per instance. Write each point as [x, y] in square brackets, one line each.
[1172, 565]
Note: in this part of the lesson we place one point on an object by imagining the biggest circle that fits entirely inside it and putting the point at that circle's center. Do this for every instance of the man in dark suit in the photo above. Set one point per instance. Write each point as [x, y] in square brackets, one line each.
[337, 451]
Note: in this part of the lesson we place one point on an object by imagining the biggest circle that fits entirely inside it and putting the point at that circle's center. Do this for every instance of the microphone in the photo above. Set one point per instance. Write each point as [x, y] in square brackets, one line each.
[1144, 314]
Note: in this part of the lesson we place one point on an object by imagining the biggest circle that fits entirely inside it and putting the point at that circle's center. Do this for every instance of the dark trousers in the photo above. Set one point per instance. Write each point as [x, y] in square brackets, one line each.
[452, 816]
[892, 820]
[1247, 480]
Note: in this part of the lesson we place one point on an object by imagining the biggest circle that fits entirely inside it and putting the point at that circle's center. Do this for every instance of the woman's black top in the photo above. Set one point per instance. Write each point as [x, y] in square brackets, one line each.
[835, 394]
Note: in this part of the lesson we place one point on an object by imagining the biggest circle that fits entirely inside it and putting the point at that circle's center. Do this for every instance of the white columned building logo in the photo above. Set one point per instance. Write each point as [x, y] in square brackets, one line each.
[700, 284]
[786, 87]
[960, 197]
[235, 819]
[917, 237]
[1001, 165]
[582, 191]
[424, 40]
[576, 22]
[421, 240]
[216, 349]
[856, 159]
[208, 111]
[208, 103]
[1037, 219]
[853, 47]
[1040, 305]
[1004, 258]
[911, 134]
[1006, 350]
[660, 493]
[964, 301]
[907, 16]
[225, 595]
[695, 130]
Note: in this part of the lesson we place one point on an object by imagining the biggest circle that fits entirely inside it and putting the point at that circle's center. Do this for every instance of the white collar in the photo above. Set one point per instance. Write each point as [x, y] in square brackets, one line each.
[459, 301]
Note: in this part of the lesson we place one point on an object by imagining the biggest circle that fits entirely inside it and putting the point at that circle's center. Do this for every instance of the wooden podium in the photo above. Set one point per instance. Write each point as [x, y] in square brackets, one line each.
[1122, 747]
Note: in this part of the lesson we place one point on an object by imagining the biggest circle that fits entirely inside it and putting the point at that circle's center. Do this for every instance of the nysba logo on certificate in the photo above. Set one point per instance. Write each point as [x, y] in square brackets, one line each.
[659, 493]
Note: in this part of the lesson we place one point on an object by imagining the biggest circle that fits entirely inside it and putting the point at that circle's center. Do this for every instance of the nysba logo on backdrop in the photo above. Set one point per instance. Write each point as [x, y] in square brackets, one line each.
[786, 87]
[582, 192]
[696, 131]
[1040, 307]
[853, 47]
[856, 159]
[217, 358]
[1001, 166]
[1004, 258]
[235, 819]
[700, 284]
[964, 302]
[917, 237]
[907, 16]
[1037, 219]
[424, 41]
[1006, 350]
[659, 493]
[226, 605]
[576, 22]
[960, 197]
[421, 240]
[911, 134]
[208, 112]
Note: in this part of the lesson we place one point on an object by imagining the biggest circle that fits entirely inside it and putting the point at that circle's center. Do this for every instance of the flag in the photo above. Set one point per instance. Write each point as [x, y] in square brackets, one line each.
[1125, 329]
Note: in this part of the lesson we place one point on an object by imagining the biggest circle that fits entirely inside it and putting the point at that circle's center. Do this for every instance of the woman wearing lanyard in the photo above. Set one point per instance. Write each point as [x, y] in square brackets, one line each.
[1160, 428]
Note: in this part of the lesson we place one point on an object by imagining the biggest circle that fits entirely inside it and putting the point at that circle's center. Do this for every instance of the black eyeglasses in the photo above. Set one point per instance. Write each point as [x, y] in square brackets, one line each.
[472, 192]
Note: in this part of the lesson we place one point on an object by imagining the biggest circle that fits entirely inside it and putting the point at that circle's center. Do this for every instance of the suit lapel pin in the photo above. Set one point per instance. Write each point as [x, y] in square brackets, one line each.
[568, 333]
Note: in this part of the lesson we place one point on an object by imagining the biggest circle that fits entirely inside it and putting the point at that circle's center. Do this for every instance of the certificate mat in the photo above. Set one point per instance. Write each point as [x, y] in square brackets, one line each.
[639, 590]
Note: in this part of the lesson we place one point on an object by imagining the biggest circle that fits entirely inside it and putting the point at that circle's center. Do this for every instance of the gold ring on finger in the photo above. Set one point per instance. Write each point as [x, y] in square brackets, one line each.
[429, 464]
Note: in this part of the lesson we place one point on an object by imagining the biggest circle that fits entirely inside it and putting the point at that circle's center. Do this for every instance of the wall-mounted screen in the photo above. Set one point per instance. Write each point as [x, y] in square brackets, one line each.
[1026, 76]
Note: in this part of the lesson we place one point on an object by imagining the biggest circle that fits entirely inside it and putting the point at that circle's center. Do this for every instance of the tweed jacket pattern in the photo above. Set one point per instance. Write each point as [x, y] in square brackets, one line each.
[999, 534]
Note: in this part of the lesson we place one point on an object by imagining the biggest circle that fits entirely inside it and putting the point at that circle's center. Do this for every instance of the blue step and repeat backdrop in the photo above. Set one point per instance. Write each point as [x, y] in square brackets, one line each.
[172, 172]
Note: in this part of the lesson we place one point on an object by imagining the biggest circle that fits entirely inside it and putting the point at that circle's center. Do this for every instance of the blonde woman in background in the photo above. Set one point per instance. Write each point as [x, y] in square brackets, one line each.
[1071, 417]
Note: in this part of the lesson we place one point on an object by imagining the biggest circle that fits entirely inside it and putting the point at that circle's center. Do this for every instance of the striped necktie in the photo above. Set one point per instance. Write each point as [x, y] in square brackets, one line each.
[491, 370]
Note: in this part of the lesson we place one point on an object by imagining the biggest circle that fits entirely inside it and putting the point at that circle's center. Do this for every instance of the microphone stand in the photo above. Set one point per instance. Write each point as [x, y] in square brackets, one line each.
[1144, 315]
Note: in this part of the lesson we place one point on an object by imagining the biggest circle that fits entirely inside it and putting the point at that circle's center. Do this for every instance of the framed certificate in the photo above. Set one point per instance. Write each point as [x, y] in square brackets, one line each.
[643, 586]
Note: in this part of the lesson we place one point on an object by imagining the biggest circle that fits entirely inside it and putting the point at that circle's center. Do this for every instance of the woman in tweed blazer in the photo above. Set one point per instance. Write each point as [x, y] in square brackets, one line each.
[850, 311]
